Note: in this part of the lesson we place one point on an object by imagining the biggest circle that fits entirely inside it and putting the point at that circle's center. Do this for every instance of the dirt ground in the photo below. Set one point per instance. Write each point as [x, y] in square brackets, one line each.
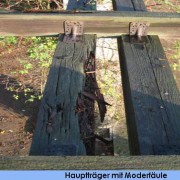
[18, 117]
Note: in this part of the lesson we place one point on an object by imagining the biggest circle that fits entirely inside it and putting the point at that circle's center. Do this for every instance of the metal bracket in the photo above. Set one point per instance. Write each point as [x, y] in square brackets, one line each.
[138, 32]
[73, 31]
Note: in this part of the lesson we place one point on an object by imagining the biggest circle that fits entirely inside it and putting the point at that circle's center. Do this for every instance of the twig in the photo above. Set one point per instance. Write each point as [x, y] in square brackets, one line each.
[57, 3]
[7, 8]
[156, 4]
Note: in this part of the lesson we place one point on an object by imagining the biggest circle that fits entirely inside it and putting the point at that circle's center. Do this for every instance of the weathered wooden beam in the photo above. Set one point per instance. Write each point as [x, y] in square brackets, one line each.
[64, 84]
[152, 119]
[90, 163]
[35, 24]
[152, 112]
[167, 86]
[123, 5]
[139, 5]
[129, 5]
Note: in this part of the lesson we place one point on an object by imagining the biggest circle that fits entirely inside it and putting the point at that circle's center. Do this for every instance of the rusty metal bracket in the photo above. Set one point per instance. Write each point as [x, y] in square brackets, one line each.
[73, 31]
[138, 32]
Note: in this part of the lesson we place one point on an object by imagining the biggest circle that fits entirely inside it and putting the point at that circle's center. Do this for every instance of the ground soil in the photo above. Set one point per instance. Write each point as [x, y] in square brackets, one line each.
[18, 118]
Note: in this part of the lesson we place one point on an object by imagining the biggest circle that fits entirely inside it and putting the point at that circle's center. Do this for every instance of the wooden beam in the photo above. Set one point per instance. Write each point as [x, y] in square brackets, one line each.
[129, 5]
[36, 24]
[90, 163]
[123, 5]
[64, 84]
[139, 5]
[152, 99]
[152, 116]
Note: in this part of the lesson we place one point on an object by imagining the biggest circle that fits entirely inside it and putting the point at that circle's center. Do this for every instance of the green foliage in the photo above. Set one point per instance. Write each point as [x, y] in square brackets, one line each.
[26, 67]
[11, 40]
[42, 50]
[39, 55]
[176, 57]
[170, 4]
[107, 83]
[31, 4]
[31, 98]
[177, 45]
[16, 96]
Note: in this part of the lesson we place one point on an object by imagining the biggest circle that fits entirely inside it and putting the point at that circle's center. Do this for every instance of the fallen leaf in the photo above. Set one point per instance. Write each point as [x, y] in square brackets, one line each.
[2, 131]
[10, 131]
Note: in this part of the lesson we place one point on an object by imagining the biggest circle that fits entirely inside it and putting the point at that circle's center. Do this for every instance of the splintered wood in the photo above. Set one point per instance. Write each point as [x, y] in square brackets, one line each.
[66, 118]
[85, 105]
[58, 124]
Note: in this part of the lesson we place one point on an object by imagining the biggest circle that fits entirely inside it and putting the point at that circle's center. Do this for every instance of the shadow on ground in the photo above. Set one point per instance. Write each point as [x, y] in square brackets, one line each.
[20, 106]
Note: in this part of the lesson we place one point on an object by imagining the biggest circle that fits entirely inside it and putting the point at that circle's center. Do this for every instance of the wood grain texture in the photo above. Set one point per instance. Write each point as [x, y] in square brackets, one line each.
[65, 82]
[129, 5]
[90, 163]
[143, 99]
[152, 112]
[139, 5]
[35, 24]
[123, 5]
[168, 89]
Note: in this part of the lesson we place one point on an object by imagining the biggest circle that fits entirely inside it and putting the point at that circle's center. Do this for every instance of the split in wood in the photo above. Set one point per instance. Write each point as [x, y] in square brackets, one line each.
[51, 115]
[85, 105]
[95, 136]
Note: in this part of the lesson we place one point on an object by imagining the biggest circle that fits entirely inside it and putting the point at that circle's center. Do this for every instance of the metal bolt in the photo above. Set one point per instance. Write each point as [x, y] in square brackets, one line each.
[161, 107]
[166, 93]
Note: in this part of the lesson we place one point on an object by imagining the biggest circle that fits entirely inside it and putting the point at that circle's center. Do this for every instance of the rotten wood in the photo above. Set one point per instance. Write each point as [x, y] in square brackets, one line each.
[86, 101]
[65, 82]
[58, 130]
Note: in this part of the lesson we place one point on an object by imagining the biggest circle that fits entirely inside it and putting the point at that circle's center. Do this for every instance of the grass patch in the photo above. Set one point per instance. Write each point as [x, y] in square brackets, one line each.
[172, 4]
[176, 57]
[31, 60]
